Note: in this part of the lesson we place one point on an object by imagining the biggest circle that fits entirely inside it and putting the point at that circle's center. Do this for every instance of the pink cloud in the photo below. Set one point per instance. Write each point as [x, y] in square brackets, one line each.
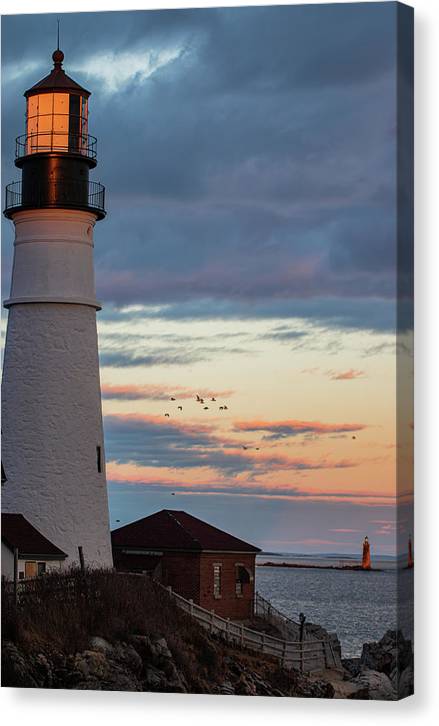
[349, 375]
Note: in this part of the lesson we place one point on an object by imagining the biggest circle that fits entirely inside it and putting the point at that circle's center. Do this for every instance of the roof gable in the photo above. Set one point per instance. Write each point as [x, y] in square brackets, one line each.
[176, 530]
[18, 532]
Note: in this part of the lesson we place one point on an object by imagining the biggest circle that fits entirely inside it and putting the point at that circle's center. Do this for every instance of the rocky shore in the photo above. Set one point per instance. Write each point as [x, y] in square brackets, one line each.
[147, 664]
[101, 631]
[384, 671]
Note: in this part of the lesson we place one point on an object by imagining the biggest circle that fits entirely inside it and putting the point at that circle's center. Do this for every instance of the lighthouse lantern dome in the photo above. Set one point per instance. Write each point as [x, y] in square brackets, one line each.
[56, 115]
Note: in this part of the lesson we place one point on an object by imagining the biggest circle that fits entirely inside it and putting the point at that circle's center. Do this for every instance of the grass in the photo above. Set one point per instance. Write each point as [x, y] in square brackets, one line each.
[61, 612]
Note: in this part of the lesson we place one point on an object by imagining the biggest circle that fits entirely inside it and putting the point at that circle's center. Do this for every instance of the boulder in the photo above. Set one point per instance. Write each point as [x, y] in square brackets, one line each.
[378, 686]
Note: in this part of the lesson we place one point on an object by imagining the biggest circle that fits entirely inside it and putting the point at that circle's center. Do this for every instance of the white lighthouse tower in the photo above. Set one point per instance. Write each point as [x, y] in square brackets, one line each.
[52, 437]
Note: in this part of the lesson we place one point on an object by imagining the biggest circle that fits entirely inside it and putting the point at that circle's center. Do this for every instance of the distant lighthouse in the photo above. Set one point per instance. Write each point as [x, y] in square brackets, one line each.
[53, 447]
[365, 564]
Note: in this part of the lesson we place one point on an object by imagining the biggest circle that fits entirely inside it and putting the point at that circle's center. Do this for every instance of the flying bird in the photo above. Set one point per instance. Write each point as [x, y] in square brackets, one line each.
[172, 494]
[180, 408]
[167, 415]
[198, 398]
[206, 408]
[257, 448]
[245, 448]
[172, 399]
[221, 408]
[354, 437]
[225, 408]
[213, 399]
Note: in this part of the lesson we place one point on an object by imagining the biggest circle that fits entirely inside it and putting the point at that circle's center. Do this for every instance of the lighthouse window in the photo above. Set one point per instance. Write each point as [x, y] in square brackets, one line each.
[99, 459]
[74, 121]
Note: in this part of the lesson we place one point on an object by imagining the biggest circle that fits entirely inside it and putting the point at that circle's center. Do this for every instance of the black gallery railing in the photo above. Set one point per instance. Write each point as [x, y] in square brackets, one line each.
[64, 194]
[65, 142]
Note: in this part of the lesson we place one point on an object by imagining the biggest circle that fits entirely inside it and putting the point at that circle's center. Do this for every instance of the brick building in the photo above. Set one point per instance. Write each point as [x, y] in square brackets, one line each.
[198, 560]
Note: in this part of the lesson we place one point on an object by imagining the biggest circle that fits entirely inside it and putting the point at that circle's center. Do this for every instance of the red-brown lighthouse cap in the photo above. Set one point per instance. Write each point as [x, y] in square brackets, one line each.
[57, 80]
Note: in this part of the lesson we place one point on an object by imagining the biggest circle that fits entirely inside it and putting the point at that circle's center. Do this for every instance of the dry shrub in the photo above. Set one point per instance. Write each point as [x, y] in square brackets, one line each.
[63, 610]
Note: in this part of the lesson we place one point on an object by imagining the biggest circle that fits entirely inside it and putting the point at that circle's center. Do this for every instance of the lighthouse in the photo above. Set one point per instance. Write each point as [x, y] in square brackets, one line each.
[52, 436]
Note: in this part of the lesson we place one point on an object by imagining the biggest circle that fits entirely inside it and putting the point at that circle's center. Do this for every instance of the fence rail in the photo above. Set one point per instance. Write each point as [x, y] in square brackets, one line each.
[306, 655]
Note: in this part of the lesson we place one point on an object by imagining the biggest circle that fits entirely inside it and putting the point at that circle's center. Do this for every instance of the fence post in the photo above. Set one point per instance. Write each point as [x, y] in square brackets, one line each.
[302, 619]
[169, 589]
[15, 574]
[81, 558]
[325, 656]
[212, 616]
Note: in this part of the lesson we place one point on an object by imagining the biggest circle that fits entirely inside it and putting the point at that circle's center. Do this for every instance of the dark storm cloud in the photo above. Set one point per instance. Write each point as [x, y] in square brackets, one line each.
[257, 164]
[373, 314]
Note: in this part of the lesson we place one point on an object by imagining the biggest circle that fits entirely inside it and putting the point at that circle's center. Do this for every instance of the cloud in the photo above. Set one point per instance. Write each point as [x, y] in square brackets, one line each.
[160, 442]
[209, 483]
[119, 69]
[348, 375]
[344, 530]
[291, 427]
[255, 180]
[158, 392]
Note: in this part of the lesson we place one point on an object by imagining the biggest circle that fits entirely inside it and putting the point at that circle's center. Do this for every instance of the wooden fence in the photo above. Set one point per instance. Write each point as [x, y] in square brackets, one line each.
[305, 656]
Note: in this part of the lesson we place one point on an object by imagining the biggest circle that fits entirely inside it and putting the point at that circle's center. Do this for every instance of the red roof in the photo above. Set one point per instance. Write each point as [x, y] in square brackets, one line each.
[175, 530]
[18, 532]
[57, 80]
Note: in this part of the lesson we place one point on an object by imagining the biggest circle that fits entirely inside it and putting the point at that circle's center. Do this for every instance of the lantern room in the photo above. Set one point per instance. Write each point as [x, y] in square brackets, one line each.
[56, 116]
[56, 153]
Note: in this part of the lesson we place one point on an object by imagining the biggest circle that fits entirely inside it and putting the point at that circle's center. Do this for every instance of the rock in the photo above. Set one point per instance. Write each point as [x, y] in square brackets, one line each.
[161, 648]
[392, 652]
[127, 656]
[17, 670]
[352, 666]
[153, 678]
[92, 663]
[378, 686]
[97, 643]
[226, 689]
[405, 686]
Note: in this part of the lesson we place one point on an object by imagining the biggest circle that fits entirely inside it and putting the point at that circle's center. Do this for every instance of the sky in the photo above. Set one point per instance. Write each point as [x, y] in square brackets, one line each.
[249, 255]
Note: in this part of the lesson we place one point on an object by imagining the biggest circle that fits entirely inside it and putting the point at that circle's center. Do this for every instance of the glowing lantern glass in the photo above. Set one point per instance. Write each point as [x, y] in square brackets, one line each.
[57, 121]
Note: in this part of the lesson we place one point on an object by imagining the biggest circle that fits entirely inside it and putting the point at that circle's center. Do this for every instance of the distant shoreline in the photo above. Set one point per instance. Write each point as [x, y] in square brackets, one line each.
[316, 567]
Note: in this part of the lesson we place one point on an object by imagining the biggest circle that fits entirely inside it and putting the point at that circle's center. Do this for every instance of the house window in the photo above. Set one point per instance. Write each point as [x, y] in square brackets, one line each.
[30, 570]
[99, 458]
[217, 580]
[41, 568]
[242, 576]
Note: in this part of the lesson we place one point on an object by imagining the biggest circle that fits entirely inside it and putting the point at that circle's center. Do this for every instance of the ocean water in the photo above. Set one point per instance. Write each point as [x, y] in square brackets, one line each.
[358, 606]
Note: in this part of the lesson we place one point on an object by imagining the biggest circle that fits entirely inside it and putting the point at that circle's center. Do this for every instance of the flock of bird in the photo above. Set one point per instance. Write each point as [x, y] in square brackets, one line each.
[201, 401]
